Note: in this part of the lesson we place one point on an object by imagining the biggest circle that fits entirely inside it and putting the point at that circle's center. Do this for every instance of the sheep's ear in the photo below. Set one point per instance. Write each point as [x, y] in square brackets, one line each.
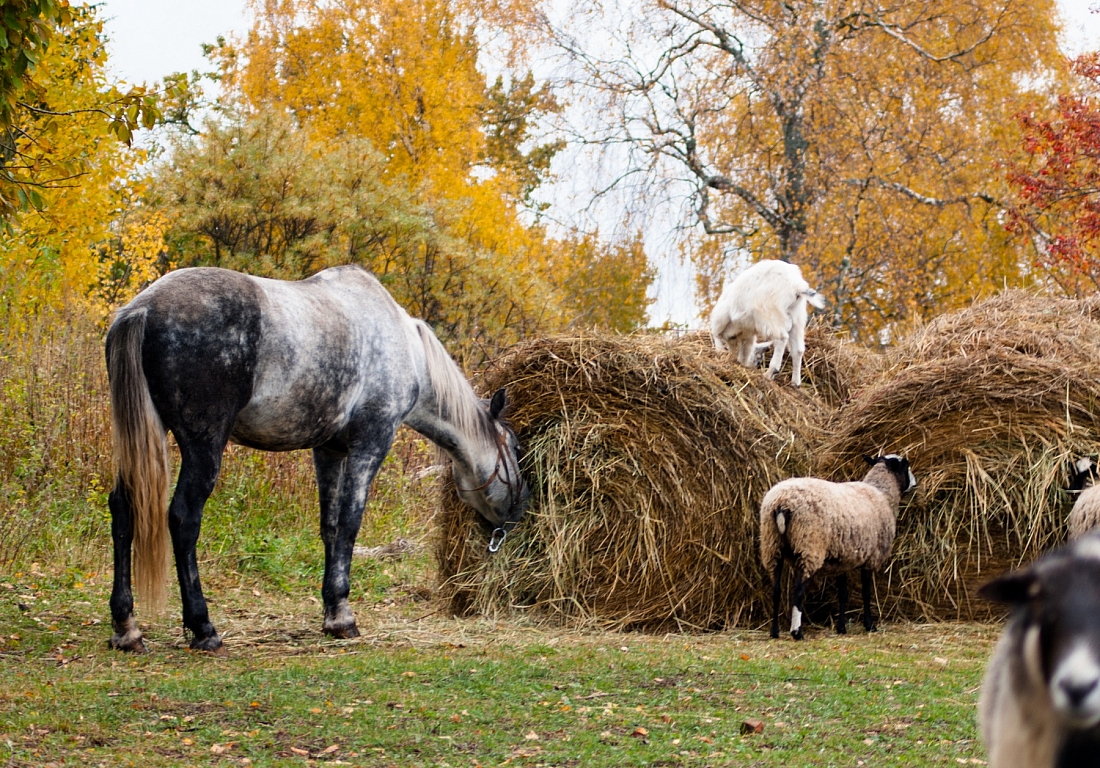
[870, 459]
[1012, 588]
[498, 403]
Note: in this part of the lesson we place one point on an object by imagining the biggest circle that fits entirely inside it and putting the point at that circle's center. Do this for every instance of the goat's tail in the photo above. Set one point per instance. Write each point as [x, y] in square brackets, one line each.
[814, 298]
[140, 455]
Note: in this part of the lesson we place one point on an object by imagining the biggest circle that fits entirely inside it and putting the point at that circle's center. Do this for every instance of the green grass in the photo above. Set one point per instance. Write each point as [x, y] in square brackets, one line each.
[420, 689]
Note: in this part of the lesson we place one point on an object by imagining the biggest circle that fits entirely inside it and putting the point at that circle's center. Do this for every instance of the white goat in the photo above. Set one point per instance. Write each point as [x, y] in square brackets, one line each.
[1040, 701]
[767, 301]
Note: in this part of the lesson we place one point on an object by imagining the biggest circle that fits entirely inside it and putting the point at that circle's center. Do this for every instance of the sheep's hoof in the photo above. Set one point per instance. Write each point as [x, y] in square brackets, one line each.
[797, 634]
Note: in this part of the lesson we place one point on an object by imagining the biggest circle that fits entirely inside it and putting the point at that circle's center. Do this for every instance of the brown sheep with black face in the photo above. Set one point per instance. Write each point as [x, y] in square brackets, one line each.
[832, 528]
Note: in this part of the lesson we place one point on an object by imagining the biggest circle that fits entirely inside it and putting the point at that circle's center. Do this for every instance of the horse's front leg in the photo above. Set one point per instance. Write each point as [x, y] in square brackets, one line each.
[127, 636]
[343, 481]
[199, 467]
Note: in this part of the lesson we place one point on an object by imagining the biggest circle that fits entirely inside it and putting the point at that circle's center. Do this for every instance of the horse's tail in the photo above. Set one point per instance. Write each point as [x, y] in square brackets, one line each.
[140, 454]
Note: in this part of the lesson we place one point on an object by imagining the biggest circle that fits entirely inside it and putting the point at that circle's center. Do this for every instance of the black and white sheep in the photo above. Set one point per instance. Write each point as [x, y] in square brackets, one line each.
[765, 302]
[832, 528]
[1085, 514]
[1040, 699]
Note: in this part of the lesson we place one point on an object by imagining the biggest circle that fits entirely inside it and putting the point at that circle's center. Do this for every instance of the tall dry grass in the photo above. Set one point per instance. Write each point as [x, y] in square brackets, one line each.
[55, 462]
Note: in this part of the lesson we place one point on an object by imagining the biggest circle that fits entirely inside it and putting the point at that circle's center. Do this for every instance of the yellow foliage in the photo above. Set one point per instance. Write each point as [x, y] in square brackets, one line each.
[73, 166]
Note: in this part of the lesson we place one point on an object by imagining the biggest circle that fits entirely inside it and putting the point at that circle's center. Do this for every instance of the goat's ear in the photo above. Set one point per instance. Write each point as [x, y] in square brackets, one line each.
[1012, 588]
[869, 459]
[498, 403]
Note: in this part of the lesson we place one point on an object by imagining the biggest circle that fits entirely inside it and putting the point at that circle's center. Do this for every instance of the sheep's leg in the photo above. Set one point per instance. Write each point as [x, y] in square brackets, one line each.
[777, 356]
[865, 577]
[842, 601]
[775, 598]
[800, 583]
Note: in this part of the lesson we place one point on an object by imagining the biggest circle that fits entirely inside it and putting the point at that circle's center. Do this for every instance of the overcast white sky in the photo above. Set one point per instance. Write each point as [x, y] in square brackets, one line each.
[153, 38]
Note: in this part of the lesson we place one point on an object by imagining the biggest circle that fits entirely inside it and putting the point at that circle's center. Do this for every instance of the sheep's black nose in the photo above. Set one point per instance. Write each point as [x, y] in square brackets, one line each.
[1076, 690]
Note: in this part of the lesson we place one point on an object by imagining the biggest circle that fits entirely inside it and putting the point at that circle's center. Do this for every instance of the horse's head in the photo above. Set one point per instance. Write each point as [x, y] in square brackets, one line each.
[492, 484]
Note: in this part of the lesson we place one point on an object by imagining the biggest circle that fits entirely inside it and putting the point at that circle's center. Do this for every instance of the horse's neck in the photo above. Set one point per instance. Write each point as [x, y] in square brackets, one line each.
[432, 418]
[447, 411]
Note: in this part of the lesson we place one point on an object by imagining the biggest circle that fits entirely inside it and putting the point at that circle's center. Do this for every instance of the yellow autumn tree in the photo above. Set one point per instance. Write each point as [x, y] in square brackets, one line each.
[68, 168]
[437, 159]
[860, 140]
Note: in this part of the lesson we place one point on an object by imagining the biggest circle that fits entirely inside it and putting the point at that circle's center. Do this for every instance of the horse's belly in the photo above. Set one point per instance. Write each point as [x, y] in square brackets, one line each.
[278, 424]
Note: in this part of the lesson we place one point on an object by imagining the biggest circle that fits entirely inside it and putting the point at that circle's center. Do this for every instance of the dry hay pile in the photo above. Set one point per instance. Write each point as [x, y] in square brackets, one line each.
[989, 404]
[647, 458]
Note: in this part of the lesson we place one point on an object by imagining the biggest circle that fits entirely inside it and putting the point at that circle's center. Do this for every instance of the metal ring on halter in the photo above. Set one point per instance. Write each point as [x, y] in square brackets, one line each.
[494, 542]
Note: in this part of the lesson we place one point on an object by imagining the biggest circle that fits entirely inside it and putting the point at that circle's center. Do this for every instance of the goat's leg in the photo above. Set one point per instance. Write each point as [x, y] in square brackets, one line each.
[777, 356]
[865, 578]
[775, 597]
[798, 348]
[842, 603]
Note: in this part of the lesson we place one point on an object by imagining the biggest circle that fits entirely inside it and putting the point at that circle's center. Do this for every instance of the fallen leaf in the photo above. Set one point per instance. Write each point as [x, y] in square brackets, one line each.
[531, 736]
[330, 749]
[639, 732]
[297, 751]
[752, 725]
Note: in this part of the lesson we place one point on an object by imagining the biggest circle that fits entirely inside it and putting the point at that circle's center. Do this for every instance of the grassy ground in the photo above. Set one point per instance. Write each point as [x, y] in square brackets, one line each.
[420, 689]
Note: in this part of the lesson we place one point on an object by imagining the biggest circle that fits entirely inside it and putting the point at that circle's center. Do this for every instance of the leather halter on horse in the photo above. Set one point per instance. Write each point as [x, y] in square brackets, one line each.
[514, 490]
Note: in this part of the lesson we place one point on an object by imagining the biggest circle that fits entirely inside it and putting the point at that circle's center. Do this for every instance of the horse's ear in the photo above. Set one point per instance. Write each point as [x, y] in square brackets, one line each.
[498, 403]
[869, 459]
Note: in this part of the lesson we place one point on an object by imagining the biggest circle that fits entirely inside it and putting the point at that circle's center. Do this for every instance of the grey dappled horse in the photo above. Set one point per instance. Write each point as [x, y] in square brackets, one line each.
[331, 363]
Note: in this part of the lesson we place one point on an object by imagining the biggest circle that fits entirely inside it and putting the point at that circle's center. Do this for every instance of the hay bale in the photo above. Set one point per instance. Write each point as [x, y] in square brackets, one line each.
[834, 367]
[989, 404]
[647, 458]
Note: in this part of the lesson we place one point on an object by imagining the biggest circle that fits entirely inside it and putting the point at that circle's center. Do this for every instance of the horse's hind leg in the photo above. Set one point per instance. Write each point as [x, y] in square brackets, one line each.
[199, 466]
[127, 636]
[343, 481]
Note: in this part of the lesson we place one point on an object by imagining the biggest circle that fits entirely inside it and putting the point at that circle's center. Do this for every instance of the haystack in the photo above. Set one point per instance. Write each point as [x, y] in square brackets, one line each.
[647, 458]
[990, 405]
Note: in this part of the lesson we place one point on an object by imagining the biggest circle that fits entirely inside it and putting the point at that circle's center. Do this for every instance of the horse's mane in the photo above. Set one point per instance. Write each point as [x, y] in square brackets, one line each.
[455, 398]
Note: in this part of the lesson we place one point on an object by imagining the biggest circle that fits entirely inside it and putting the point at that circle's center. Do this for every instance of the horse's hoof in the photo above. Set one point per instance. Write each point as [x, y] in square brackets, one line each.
[343, 633]
[128, 639]
[774, 634]
[797, 634]
[212, 645]
[127, 644]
